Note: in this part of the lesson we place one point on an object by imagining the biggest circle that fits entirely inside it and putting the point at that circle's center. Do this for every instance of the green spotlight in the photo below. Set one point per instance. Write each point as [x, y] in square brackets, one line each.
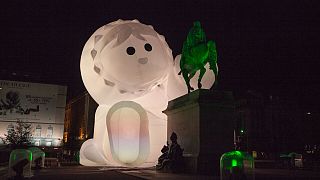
[234, 163]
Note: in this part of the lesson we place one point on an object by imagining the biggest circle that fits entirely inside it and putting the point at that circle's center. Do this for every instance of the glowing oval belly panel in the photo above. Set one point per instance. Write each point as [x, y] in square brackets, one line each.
[127, 126]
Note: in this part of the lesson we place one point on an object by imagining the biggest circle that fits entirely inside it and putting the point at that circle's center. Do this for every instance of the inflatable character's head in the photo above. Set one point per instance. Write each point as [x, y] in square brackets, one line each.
[126, 59]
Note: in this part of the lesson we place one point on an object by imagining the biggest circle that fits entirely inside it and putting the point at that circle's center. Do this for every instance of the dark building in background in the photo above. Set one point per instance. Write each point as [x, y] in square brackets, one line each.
[79, 121]
[268, 126]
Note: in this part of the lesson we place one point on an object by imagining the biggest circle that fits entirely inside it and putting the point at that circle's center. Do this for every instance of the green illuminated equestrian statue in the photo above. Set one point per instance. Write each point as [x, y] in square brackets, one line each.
[196, 53]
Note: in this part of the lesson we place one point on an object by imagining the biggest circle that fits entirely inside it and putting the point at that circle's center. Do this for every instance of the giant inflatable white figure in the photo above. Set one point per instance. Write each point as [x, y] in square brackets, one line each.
[128, 69]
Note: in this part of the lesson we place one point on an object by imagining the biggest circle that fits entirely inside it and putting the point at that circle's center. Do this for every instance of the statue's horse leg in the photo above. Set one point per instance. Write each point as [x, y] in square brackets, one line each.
[202, 71]
[187, 78]
[190, 77]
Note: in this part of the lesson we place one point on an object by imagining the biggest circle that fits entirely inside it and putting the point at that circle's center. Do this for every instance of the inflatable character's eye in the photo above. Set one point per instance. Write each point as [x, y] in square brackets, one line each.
[131, 50]
[148, 47]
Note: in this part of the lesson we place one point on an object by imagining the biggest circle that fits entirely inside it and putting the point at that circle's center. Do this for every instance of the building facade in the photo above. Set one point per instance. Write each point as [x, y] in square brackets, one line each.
[79, 121]
[267, 125]
[41, 105]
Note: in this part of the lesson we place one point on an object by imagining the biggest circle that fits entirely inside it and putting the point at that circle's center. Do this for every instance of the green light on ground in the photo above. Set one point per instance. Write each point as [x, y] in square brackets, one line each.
[234, 163]
[30, 157]
[241, 130]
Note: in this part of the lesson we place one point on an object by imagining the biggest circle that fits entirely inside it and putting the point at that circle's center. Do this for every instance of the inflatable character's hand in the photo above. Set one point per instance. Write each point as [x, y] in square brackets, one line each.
[90, 155]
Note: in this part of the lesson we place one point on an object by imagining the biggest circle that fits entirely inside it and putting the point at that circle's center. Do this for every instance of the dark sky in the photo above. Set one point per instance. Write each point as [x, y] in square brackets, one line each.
[268, 46]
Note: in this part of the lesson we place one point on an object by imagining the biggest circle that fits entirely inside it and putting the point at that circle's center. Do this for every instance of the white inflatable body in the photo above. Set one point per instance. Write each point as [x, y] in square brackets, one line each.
[128, 69]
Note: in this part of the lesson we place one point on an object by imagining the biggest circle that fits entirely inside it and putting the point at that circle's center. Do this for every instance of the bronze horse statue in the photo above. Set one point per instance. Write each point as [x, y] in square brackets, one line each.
[196, 53]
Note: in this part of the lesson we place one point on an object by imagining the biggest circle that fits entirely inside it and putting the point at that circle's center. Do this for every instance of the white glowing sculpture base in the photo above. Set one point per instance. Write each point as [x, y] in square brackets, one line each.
[132, 137]
[128, 69]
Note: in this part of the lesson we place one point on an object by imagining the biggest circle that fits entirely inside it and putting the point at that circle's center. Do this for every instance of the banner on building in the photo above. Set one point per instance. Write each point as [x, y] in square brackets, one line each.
[30, 102]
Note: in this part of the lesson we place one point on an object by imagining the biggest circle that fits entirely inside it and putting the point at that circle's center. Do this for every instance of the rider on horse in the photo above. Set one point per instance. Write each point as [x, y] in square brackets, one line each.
[196, 53]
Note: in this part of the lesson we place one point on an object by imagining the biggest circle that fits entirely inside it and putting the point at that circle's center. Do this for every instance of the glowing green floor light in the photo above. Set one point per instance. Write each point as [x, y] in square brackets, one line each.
[234, 163]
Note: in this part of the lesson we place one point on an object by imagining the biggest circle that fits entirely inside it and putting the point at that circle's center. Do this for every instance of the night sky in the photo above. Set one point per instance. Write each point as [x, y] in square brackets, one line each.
[268, 46]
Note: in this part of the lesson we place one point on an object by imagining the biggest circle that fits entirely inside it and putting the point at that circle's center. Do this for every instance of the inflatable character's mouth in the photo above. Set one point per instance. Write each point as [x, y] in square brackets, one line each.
[143, 60]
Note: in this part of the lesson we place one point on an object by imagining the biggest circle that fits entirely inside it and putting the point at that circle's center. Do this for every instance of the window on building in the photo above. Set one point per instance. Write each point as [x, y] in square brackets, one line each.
[65, 137]
[48, 143]
[49, 131]
[37, 132]
[10, 127]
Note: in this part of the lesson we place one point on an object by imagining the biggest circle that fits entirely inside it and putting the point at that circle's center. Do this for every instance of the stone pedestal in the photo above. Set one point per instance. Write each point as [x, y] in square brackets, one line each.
[204, 122]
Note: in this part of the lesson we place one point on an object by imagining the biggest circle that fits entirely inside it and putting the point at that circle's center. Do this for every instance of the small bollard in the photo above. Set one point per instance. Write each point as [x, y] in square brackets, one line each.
[236, 165]
[20, 163]
[38, 157]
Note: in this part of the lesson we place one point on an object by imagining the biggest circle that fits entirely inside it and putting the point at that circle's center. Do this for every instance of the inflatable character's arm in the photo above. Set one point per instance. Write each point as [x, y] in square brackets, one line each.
[176, 85]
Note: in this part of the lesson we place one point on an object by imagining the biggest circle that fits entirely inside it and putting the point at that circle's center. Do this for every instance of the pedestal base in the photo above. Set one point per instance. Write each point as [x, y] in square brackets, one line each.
[204, 122]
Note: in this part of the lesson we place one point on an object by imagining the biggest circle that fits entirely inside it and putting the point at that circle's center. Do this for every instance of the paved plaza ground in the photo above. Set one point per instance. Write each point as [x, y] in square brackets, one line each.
[97, 173]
